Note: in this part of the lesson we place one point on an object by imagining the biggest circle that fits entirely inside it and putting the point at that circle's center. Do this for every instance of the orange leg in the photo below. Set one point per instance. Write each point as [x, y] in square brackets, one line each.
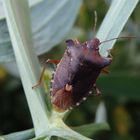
[105, 70]
[43, 70]
[109, 53]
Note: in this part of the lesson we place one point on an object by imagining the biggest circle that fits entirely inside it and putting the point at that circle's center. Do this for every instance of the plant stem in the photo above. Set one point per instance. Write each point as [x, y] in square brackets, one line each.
[18, 20]
[114, 21]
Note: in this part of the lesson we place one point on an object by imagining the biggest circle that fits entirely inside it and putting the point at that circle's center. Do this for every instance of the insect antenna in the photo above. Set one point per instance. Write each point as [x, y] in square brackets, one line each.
[95, 21]
[123, 37]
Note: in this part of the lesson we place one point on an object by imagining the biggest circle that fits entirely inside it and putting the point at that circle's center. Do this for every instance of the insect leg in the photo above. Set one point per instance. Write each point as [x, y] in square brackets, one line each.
[40, 79]
[43, 70]
[109, 53]
[105, 70]
[98, 92]
[52, 61]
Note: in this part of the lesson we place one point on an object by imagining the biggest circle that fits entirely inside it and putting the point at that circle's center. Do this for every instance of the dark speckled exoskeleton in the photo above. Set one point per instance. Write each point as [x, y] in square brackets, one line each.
[76, 73]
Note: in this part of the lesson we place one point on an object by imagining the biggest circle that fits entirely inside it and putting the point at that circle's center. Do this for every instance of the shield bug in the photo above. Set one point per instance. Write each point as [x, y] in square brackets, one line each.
[76, 73]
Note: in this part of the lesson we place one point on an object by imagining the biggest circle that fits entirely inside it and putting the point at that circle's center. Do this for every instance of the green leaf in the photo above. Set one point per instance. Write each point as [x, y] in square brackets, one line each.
[121, 84]
[101, 113]
[34, 2]
[60, 129]
[1, 11]
[40, 138]
[130, 25]
[114, 21]
[31, 3]
[20, 32]
[91, 129]
[23, 135]
[51, 22]
[6, 52]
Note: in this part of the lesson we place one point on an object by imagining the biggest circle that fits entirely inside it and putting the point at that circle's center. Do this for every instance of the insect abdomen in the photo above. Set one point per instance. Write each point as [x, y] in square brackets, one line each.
[81, 82]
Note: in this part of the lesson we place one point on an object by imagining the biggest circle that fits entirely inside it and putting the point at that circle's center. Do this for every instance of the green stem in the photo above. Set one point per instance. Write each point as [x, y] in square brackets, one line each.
[114, 21]
[18, 20]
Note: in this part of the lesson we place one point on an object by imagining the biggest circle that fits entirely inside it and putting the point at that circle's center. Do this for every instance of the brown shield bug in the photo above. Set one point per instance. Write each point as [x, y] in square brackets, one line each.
[76, 73]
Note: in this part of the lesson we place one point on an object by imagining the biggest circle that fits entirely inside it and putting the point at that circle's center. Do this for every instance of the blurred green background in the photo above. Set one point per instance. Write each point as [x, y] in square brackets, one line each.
[120, 88]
